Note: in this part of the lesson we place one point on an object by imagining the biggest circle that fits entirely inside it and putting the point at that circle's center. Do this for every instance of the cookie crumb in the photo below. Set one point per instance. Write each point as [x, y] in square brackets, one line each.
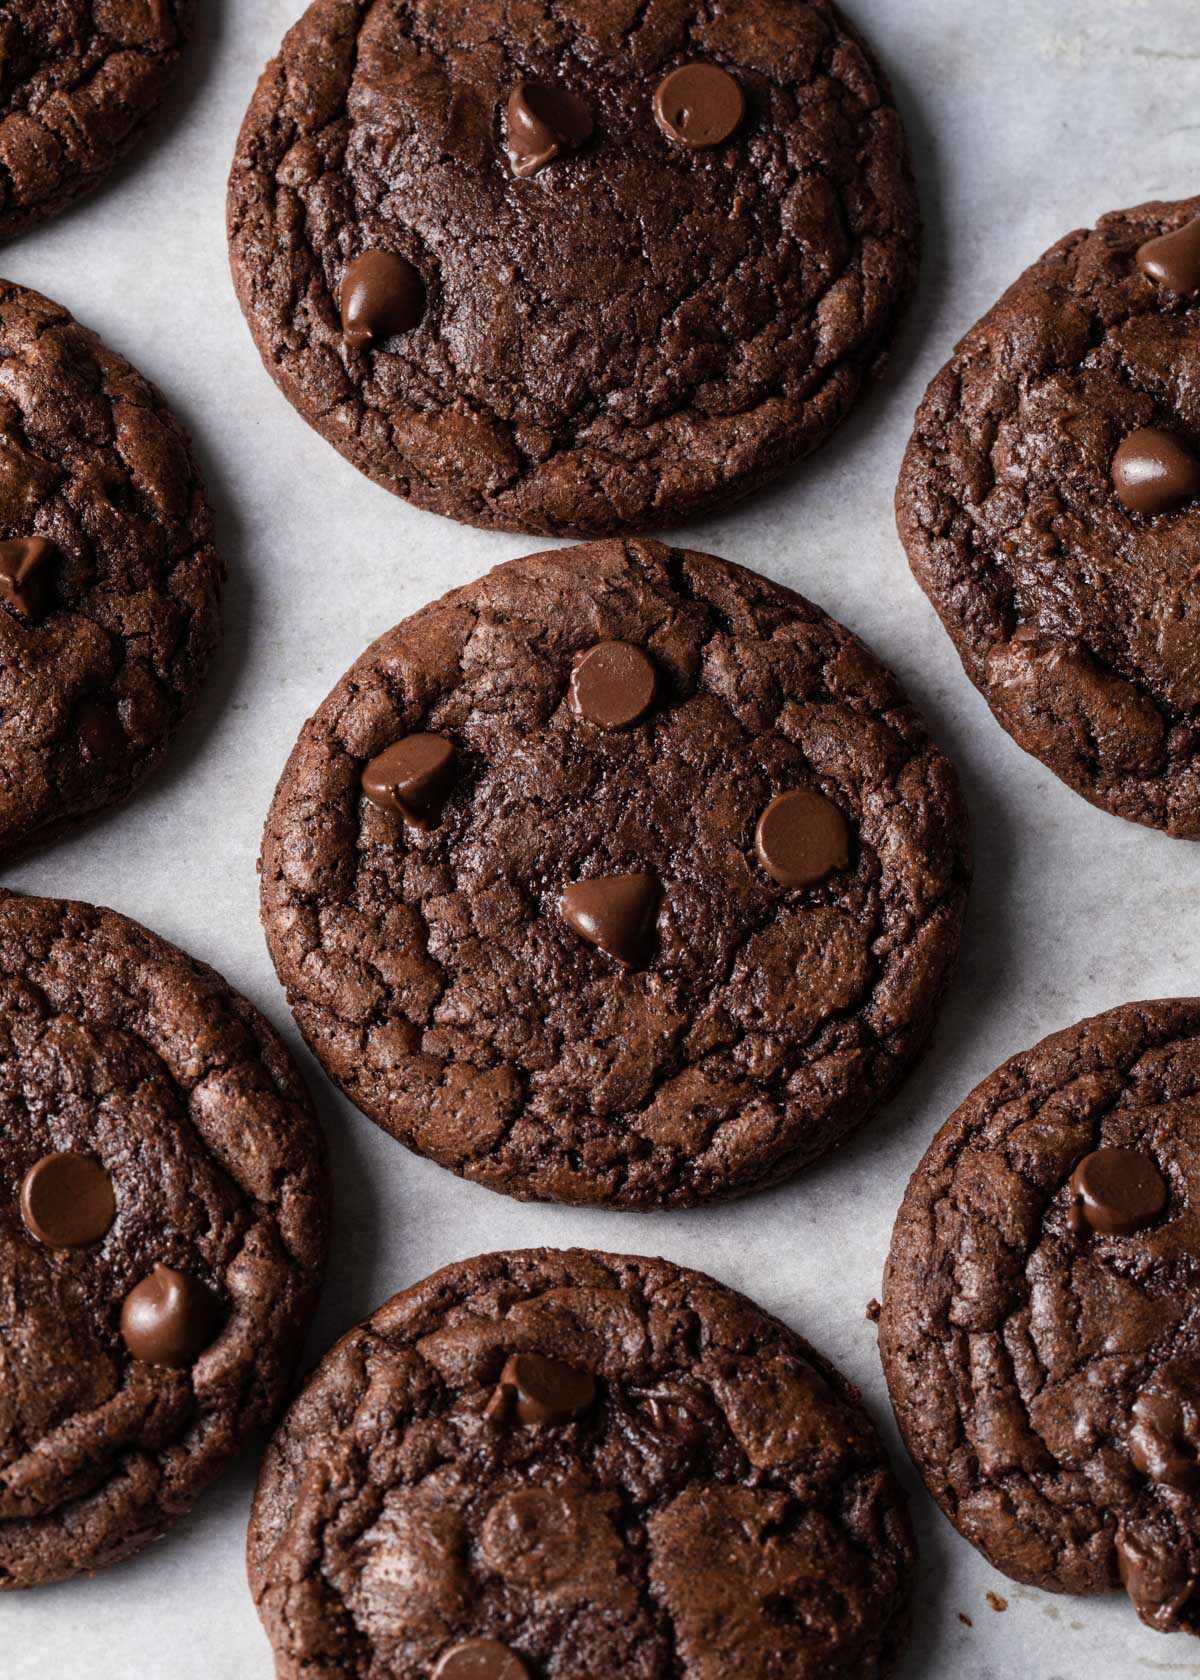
[965, 1619]
[996, 1602]
[873, 1311]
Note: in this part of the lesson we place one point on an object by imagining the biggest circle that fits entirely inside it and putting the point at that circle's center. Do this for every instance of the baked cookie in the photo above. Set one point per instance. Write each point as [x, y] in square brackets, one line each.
[622, 875]
[583, 1466]
[110, 586]
[572, 269]
[163, 1229]
[78, 81]
[1041, 1308]
[1050, 506]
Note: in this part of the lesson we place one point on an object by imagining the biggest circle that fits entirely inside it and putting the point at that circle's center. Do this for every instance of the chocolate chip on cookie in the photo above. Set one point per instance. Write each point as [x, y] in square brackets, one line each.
[660, 257]
[1050, 505]
[679, 918]
[1039, 1330]
[398, 1530]
[163, 1226]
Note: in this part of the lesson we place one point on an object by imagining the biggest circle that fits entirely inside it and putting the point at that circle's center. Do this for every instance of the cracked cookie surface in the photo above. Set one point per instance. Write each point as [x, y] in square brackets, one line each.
[636, 332]
[97, 671]
[124, 1060]
[78, 81]
[1045, 1371]
[722, 1507]
[1077, 616]
[448, 984]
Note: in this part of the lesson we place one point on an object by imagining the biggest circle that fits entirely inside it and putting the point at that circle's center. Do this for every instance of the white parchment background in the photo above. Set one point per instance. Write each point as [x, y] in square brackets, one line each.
[1027, 118]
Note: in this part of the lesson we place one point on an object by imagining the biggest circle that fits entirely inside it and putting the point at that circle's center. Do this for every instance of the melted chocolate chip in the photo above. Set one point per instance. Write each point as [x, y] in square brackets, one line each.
[480, 1659]
[801, 838]
[615, 912]
[613, 685]
[1153, 472]
[540, 1390]
[1163, 1439]
[67, 1201]
[412, 779]
[382, 295]
[169, 1318]
[1173, 259]
[543, 122]
[1116, 1192]
[699, 105]
[1157, 1578]
[26, 568]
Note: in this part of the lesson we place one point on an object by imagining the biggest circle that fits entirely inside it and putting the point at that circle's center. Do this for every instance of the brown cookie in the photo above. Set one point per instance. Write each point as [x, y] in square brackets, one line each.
[110, 586]
[646, 925]
[163, 1227]
[578, 269]
[78, 81]
[707, 1496]
[1050, 506]
[1039, 1325]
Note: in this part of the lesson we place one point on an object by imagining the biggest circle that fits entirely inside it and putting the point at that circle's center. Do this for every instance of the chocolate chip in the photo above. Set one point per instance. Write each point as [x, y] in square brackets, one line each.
[801, 838]
[543, 121]
[1173, 259]
[613, 685]
[699, 105]
[480, 1659]
[542, 1390]
[1153, 472]
[382, 295]
[1162, 1437]
[67, 1201]
[1156, 1577]
[26, 567]
[412, 779]
[169, 1318]
[615, 912]
[1116, 1192]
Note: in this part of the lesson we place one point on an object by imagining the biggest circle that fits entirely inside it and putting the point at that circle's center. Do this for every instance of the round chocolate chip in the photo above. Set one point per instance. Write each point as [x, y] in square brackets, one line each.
[26, 569]
[67, 1201]
[1173, 259]
[544, 121]
[802, 838]
[547, 1390]
[613, 685]
[169, 1318]
[1153, 472]
[1116, 1192]
[699, 105]
[412, 778]
[480, 1659]
[382, 295]
[615, 913]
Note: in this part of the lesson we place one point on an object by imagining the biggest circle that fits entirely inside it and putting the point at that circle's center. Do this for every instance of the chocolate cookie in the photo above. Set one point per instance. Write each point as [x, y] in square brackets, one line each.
[78, 82]
[622, 875]
[163, 1218]
[572, 269]
[583, 1466]
[109, 583]
[1050, 505]
[1041, 1310]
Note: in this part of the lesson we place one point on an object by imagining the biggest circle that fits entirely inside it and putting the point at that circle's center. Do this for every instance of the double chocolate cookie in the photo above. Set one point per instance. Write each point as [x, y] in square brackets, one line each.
[78, 81]
[110, 585]
[572, 269]
[163, 1223]
[1050, 505]
[1040, 1320]
[622, 875]
[582, 1466]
